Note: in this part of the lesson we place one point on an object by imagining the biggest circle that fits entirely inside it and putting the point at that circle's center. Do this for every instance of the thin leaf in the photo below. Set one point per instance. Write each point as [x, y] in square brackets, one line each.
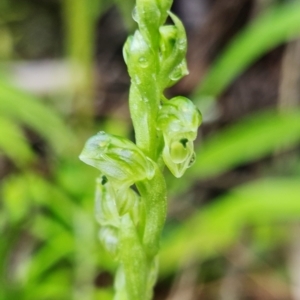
[217, 226]
[27, 109]
[13, 142]
[276, 26]
[248, 140]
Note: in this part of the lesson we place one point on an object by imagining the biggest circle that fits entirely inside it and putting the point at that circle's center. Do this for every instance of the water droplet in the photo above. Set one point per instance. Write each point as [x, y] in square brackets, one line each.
[145, 99]
[192, 160]
[178, 72]
[143, 62]
[102, 140]
[181, 43]
[135, 14]
[104, 144]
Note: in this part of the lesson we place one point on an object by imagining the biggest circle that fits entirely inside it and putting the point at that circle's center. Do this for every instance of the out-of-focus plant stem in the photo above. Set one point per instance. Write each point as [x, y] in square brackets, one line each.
[79, 26]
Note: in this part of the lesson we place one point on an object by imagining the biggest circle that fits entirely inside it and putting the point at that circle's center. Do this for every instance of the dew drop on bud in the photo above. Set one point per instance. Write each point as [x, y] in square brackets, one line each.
[103, 141]
[143, 62]
[179, 71]
[176, 73]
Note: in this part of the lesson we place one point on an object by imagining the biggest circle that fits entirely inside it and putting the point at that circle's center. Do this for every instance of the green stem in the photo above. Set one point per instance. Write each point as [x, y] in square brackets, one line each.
[154, 195]
[144, 114]
[134, 261]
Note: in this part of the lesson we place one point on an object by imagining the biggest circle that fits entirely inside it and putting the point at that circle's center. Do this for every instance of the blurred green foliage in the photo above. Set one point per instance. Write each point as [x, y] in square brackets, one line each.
[49, 248]
[276, 26]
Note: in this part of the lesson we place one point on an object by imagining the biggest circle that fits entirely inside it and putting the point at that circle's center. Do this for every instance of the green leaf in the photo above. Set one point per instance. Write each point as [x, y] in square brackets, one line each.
[126, 8]
[217, 226]
[29, 110]
[16, 203]
[279, 24]
[30, 189]
[57, 248]
[57, 285]
[248, 140]
[13, 142]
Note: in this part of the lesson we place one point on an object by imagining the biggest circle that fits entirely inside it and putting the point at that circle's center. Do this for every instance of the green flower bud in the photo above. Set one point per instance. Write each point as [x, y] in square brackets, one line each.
[140, 60]
[105, 203]
[126, 49]
[136, 47]
[173, 45]
[164, 6]
[148, 16]
[126, 198]
[179, 120]
[109, 237]
[168, 35]
[120, 160]
[114, 201]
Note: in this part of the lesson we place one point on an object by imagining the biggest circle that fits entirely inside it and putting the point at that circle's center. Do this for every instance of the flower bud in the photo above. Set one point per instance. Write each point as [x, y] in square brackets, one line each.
[179, 120]
[173, 45]
[164, 6]
[168, 35]
[105, 203]
[109, 237]
[113, 201]
[120, 160]
[126, 199]
[148, 16]
[140, 60]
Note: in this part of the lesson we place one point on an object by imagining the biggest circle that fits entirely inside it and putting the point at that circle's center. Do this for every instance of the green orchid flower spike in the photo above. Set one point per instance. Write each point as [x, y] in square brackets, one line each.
[131, 193]
[179, 120]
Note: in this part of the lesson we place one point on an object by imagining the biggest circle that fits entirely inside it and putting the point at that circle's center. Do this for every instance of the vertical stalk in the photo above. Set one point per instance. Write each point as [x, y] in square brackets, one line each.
[79, 29]
[155, 57]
